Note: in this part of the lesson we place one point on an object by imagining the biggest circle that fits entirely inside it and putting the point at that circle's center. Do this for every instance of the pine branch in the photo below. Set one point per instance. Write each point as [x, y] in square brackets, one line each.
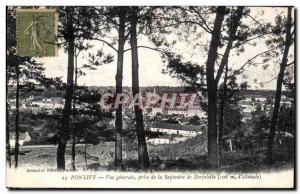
[249, 60]
[107, 43]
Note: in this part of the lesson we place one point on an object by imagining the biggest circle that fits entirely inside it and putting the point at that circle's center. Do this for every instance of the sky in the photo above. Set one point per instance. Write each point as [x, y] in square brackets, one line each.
[151, 64]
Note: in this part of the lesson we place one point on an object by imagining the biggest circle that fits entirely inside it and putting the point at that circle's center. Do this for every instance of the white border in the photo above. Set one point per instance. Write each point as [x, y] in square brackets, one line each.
[3, 5]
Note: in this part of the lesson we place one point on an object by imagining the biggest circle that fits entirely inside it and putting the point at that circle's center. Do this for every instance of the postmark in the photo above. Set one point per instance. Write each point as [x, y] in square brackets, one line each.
[36, 32]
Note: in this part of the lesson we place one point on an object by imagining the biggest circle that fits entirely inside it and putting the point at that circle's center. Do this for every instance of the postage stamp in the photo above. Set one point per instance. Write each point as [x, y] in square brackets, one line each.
[36, 32]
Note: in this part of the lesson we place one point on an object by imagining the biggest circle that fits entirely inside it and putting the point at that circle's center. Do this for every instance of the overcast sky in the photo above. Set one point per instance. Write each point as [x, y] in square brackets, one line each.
[151, 65]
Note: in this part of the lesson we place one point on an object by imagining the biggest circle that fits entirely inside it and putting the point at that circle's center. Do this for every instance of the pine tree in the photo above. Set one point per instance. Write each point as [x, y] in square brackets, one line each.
[22, 72]
[75, 23]
[280, 78]
[142, 145]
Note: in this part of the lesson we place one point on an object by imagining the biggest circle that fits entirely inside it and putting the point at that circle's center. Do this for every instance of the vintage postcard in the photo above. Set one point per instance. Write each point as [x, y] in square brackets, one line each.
[150, 97]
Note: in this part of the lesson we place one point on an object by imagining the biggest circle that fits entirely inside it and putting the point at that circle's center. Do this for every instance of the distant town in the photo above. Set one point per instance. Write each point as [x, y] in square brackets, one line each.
[174, 125]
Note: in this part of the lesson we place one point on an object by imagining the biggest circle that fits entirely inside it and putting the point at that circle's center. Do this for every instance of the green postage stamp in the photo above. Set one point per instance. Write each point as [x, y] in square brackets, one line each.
[37, 32]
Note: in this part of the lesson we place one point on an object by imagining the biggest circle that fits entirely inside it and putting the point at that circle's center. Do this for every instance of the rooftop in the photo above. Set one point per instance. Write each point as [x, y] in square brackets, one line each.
[177, 126]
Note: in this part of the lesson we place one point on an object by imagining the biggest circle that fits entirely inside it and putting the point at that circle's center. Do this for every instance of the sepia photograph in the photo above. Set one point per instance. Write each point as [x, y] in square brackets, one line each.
[150, 97]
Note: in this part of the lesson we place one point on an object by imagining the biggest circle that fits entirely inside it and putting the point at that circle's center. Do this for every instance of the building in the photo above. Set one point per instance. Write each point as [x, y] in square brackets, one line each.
[184, 130]
[183, 112]
[187, 112]
[23, 138]
[157, 141]
[173, 133]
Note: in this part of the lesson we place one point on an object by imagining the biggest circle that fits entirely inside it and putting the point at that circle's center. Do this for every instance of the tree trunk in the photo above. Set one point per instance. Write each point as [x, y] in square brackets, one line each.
[8, 158]
[230, 145]
[85, 157]
[74, 115]
[142, 145]
[212, 139]
[73, 150]
[8, 155]
[119, 78]
[64, 132]
[224, 63]
[221, 113]
[280, 77]
[232, 38]
[17, 118]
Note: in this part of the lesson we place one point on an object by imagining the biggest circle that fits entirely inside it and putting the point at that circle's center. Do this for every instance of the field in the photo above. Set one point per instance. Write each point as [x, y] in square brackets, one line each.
[188, 155]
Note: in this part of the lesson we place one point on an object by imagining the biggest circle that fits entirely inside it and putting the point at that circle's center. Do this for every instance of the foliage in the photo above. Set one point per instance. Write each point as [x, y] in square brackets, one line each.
[286, 119]
[232, 119]
[261, 124]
